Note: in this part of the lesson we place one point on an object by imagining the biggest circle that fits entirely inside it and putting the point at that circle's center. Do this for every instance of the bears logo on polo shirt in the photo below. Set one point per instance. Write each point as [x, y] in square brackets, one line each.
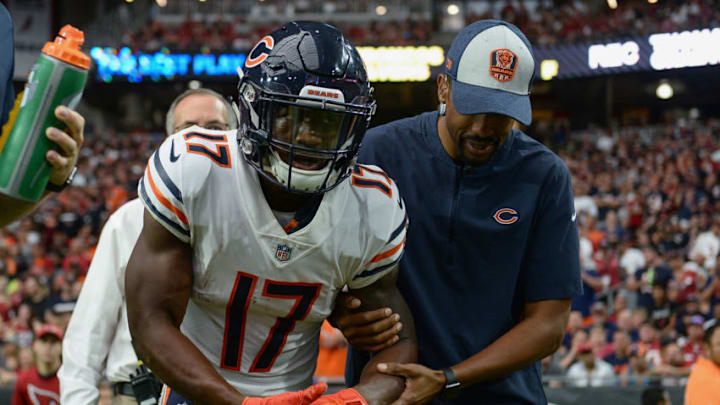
[505, 216]
[503, 63]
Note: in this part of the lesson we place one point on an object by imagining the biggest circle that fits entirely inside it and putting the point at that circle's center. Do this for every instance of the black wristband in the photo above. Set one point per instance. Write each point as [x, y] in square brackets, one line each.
[58, 188]
[452, 385]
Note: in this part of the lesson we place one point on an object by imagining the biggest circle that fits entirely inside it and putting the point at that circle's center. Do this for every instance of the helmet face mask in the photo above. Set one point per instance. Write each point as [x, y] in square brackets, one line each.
[304, 108]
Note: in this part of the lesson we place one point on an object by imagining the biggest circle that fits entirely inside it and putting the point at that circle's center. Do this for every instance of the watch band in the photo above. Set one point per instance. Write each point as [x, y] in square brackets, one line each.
[452, 385]
[58, 188]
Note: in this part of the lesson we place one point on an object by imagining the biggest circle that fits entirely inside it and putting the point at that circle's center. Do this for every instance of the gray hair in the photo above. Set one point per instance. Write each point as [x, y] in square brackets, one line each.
[229, 111]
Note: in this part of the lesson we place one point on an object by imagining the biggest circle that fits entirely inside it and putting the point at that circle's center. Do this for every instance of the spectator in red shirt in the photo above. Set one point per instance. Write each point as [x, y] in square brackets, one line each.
[40, 385]
[693, 347]
[649, 344]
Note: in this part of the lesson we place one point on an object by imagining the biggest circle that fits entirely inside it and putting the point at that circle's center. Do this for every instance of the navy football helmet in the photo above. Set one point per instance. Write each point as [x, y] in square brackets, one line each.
[305, 104]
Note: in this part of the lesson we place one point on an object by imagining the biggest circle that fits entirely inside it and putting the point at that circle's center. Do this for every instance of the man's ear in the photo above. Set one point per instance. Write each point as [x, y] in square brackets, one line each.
[443, 89]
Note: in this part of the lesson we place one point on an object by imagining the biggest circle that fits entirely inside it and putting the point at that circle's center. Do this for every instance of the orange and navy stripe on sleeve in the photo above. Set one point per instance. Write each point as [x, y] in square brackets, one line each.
[163, 199]
[391, 253]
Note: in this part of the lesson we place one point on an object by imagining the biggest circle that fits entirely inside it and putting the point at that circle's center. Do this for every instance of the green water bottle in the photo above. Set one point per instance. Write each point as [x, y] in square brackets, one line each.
[57, 78]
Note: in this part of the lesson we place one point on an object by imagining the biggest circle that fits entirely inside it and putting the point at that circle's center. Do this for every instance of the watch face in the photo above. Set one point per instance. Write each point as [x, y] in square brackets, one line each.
[452, 385]
[71, 177]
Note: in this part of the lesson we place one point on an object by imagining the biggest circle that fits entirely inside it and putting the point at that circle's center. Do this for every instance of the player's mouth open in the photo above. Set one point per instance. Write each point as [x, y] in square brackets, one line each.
[305, 163]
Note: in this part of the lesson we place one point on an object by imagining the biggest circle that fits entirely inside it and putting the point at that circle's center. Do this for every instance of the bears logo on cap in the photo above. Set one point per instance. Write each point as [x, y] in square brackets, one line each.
[503, 63]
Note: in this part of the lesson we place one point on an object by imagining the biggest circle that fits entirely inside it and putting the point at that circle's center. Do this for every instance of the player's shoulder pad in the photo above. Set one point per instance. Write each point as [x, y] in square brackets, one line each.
[380, 193]
[201, 148]
[385, 219]
[193, 154]
[178, 172]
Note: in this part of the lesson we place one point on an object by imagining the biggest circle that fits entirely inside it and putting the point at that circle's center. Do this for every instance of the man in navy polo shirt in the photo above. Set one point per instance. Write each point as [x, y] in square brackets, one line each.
[492, 257]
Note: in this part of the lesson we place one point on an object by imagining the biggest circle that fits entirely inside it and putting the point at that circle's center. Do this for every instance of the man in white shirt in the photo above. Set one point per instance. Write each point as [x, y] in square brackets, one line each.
[707, 247]
[97, 341]
[590, 371]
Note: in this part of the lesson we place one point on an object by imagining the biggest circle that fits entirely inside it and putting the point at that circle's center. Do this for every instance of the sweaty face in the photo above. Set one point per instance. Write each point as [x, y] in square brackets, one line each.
[203, 110]
[306, 128]
[475, 138]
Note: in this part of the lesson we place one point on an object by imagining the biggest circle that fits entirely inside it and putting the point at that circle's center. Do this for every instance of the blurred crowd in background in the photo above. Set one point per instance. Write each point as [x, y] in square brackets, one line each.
[646, 204]
[646, 201]
[544, 23]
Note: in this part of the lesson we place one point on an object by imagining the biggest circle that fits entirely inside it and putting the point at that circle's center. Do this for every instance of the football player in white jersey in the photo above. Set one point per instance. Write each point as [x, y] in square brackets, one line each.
[249, 236]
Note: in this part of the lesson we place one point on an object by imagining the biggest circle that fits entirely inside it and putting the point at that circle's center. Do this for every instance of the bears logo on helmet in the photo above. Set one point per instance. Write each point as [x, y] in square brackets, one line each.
[305, 104]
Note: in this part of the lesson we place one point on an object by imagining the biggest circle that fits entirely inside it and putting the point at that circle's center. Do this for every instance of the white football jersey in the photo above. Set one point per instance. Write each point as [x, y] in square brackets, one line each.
[260, 293]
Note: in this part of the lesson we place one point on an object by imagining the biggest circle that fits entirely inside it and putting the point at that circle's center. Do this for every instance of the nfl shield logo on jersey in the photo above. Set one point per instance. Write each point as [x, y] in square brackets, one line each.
[283, 252]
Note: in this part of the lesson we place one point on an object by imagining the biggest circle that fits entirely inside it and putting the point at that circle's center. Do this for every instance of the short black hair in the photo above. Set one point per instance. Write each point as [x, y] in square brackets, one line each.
[653, 395]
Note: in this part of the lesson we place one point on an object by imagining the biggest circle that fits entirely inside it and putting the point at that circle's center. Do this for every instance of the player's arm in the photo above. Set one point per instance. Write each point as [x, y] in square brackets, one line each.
[61, 162]
[375, 387]
[158, 283]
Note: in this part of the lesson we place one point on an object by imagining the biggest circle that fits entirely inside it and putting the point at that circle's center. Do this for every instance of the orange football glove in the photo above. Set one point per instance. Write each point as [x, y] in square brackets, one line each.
[304, 397]
[347, 396]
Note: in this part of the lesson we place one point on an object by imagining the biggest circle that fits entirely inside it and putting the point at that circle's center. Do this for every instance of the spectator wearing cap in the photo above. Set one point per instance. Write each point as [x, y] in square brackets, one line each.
[693, 345]
[492, 243]
[703, 386]
[39, 384]
[590, 371]
[689, 308]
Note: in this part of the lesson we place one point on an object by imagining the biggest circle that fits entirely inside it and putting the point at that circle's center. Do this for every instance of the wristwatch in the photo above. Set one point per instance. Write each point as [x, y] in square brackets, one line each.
[452, 385]
[58, 188]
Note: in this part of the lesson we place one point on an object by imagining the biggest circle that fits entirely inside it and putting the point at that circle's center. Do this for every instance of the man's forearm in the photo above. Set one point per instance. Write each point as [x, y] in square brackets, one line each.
[527, 342]
[179, 363]
[379, 388]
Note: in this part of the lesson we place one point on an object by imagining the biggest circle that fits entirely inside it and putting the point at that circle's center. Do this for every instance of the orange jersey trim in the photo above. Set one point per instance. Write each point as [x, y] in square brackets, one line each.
[387, 253]
[164, 200]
